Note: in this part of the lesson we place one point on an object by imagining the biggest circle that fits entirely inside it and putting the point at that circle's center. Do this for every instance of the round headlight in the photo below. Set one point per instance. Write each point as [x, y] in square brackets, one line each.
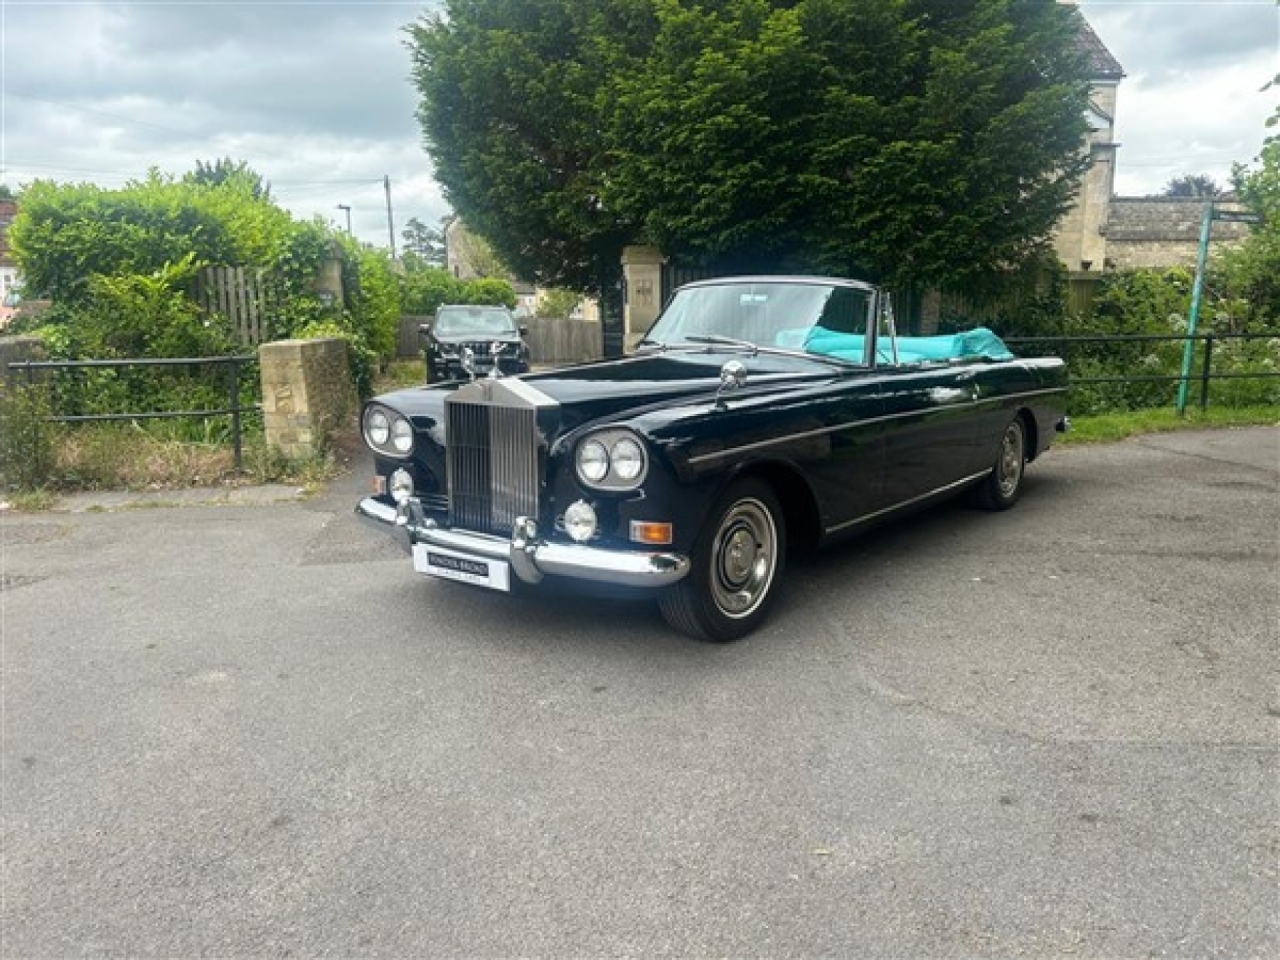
[377, 428]
[401, 435]
[593, 461]
[580, 521]
[627, 458]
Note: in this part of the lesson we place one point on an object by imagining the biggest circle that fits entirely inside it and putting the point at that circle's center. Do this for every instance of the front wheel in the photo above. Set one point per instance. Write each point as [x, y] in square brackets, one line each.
[1003, 486]
[737, 564]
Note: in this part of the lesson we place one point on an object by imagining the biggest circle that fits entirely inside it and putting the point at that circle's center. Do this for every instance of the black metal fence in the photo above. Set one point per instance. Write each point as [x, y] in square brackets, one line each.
[234, 408]
[1065, 347]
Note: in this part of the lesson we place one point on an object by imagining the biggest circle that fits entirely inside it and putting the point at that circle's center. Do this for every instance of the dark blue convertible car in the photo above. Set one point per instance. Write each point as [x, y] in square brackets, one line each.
[758, 415]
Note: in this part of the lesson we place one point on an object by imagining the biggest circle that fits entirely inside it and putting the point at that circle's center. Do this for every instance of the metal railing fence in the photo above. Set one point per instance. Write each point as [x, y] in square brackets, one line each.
[234, 408]
[1204, 376]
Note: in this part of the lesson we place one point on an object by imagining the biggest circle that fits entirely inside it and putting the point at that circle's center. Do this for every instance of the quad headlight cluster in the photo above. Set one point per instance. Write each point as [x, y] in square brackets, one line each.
[612, 459]
[388, 432]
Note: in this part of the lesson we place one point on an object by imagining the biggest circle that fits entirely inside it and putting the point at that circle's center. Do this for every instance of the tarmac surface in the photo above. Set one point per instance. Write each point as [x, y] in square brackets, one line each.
[248, 729]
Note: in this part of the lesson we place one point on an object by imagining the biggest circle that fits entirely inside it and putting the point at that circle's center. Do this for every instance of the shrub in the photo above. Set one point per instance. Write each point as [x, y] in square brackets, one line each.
[26, 441]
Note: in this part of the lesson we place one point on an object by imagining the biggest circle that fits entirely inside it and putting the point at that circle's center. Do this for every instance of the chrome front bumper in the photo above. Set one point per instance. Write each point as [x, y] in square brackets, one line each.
[530, 557]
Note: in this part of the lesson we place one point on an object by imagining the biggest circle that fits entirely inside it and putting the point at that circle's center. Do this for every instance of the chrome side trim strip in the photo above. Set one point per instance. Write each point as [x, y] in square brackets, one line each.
[1022, 396]
[906, 503]
[869, 422]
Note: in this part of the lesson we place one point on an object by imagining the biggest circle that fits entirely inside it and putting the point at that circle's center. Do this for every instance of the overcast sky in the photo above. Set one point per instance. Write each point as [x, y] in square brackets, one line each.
[316, 96]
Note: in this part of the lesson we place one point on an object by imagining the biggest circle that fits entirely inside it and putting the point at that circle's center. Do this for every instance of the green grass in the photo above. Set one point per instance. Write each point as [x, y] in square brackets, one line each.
[29, 501]
[128, 456]
[401, 373]
[1107, 427]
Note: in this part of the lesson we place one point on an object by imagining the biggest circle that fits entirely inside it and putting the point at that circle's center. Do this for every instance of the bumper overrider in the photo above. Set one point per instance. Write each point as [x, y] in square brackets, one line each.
[530, 557]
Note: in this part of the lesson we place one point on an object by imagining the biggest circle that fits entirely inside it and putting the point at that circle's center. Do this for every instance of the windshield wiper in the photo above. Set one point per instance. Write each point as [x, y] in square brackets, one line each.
[719, 341]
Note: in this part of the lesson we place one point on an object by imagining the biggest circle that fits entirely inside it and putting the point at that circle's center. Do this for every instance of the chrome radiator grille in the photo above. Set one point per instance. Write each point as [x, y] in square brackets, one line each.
[492, 465]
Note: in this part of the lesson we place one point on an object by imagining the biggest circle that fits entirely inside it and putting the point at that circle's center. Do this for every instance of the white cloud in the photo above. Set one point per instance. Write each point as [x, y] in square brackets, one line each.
[1191, 102]
[316, 96]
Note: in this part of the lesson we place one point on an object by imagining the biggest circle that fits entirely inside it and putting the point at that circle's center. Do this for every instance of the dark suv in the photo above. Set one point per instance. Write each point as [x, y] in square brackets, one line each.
[467, 340]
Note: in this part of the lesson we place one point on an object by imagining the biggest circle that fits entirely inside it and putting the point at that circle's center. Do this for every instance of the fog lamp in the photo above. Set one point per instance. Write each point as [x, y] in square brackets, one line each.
[401, 486]
[580, 521]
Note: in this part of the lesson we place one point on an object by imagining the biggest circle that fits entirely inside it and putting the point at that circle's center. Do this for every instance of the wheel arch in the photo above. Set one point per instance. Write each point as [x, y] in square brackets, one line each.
[1031, 431]
[796, 497]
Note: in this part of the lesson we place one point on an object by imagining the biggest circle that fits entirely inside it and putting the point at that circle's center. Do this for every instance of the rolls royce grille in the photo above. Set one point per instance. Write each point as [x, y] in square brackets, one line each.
[492, 464]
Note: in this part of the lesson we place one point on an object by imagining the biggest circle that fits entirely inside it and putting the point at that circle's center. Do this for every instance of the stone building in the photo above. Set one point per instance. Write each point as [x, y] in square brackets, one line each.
[1080, 239]
[1162, 231]
[1105, 232]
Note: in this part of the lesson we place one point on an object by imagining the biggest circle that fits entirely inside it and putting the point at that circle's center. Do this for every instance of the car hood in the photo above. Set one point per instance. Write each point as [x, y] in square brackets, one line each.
[460, 338]
[611, 388]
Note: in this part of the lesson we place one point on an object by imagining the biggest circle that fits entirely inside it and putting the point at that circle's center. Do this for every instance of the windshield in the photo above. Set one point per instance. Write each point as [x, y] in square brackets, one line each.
[780, 314]
[465, 321]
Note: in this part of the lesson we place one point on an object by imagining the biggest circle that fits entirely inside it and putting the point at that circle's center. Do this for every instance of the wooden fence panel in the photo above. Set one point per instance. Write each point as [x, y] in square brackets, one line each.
[559, 341]
[551, 340]
[240, 295]
[407, 343]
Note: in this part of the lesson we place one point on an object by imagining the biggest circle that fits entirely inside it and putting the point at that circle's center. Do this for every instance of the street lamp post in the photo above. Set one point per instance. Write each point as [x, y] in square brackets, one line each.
[343, 206]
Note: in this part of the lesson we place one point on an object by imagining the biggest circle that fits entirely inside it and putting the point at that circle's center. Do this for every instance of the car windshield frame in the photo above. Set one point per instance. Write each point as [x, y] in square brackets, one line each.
[767, 313]
[477, 321]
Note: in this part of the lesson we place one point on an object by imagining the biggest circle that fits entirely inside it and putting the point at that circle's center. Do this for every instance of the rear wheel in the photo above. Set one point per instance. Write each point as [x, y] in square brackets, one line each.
[1003, 486]
[736, 566]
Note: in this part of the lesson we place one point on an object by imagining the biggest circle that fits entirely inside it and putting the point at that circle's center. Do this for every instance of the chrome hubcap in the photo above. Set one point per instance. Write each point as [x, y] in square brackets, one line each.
[1011, 460]
[743, 558]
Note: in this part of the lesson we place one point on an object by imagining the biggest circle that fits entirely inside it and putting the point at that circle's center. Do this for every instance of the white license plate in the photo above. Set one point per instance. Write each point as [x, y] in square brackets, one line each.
[450, 565]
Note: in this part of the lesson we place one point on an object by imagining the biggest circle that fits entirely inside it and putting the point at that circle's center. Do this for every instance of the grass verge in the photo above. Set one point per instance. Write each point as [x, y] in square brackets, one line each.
[400, 373]
[1107, 427]
[126, 456]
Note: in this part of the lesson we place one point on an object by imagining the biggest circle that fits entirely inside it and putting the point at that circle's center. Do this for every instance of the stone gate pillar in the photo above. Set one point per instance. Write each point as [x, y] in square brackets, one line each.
[642, 290]
[306, 394]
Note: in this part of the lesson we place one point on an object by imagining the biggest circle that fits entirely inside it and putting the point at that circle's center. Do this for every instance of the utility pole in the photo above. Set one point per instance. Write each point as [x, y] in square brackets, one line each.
[347, 208]
[391, 228]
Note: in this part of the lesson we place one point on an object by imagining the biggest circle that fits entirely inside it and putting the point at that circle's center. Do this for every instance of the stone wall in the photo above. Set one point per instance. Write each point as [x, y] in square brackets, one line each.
[306, 394]
[1163, 231]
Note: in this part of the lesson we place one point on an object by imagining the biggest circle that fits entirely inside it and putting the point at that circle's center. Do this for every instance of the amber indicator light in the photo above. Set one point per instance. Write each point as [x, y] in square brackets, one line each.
[646, 532]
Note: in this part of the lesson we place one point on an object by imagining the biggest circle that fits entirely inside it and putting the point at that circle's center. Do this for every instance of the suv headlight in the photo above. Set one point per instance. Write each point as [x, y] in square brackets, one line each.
[387, 432]
[611, 459]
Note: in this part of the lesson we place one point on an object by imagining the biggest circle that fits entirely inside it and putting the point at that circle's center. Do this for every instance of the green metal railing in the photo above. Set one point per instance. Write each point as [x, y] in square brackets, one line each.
[1204, 376]
[234, 409]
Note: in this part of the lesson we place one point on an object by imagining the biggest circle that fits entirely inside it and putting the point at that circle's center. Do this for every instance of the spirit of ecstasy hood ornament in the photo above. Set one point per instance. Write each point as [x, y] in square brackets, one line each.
[495, 351]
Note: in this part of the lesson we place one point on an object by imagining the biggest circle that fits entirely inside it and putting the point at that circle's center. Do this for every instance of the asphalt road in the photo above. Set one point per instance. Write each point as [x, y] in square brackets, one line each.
[250, 730]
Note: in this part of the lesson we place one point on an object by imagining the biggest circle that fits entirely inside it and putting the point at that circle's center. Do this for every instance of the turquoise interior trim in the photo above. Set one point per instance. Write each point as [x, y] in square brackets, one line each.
[979, 343]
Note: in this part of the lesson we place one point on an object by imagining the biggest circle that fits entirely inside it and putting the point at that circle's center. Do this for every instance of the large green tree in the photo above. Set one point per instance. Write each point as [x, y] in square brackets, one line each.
[1193, 185]
[225, 170]
[423, 245]
[908, 141]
